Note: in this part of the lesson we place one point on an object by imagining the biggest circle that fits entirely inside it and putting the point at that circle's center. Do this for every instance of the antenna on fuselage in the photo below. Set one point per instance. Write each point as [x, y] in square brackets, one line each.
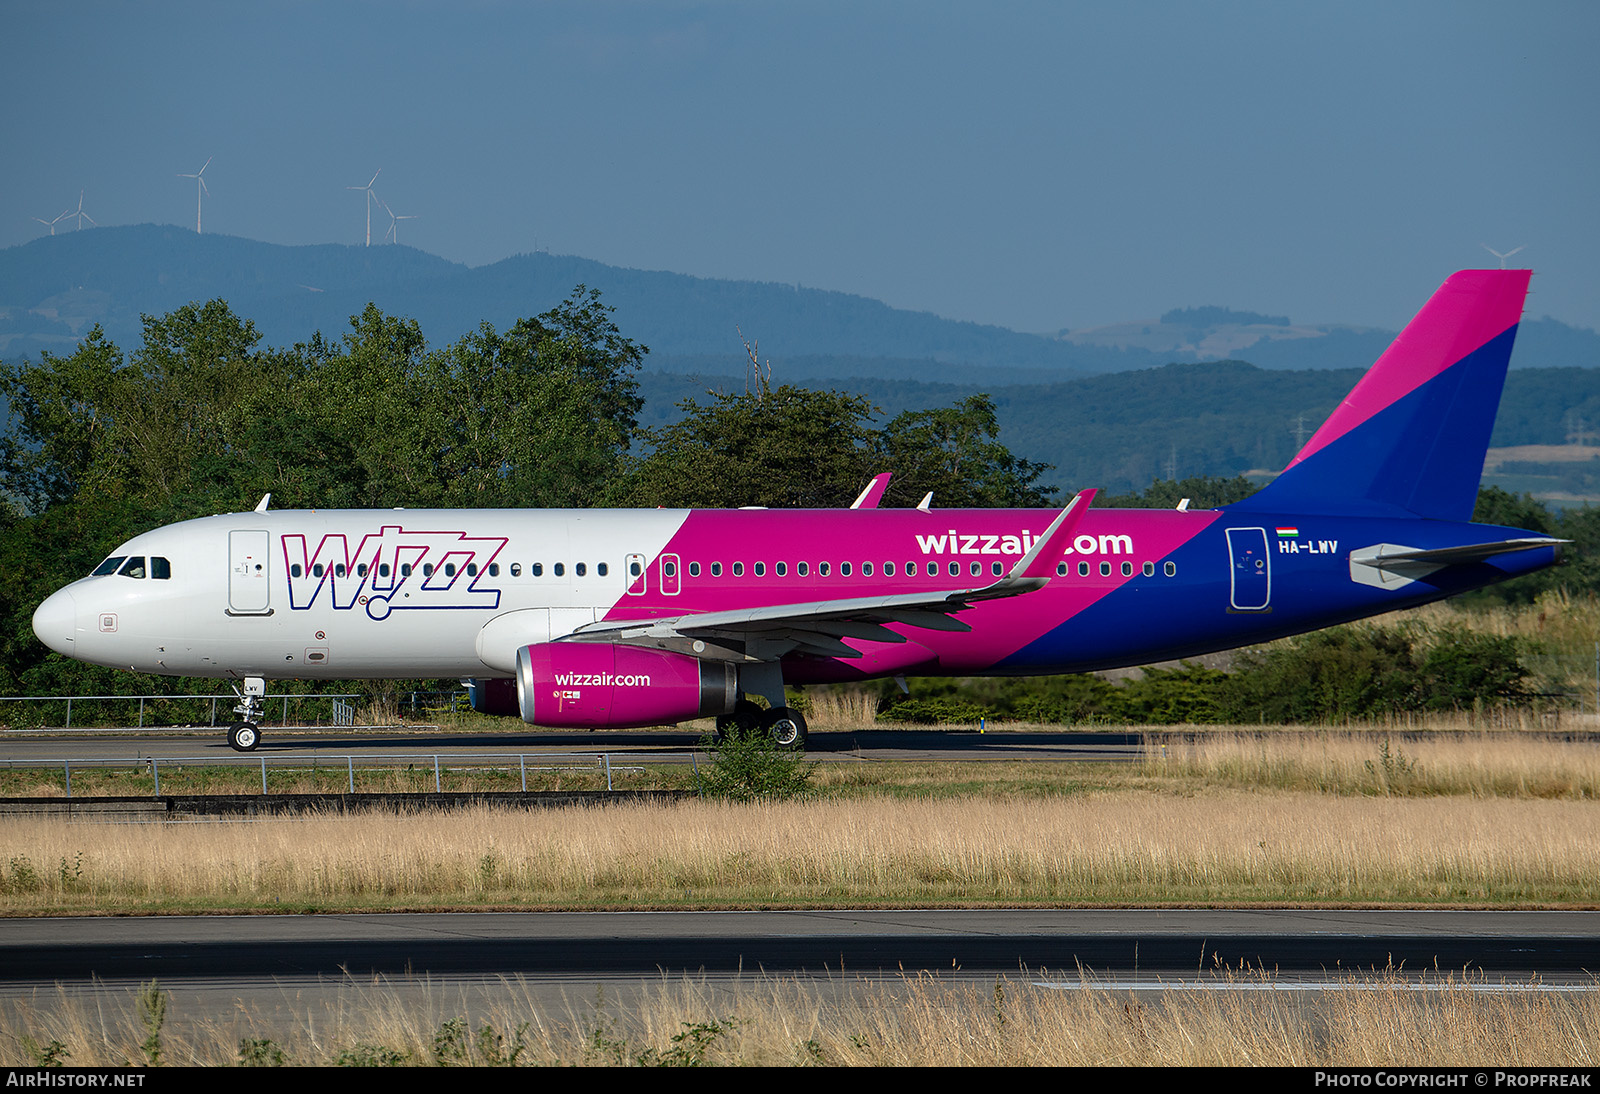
[261, 507]
[927, 502]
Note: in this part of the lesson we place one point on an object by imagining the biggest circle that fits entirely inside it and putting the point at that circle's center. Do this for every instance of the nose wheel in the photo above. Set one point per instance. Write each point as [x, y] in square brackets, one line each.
[244, 736]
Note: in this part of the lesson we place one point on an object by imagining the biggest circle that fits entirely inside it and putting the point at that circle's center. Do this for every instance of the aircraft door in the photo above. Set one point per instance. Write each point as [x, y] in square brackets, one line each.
[1250, 583]
[638, 578]
[671, 578]
[248, 585]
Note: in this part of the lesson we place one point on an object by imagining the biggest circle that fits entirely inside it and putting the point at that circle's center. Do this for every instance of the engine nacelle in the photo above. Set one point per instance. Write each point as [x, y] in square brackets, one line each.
[599, 685]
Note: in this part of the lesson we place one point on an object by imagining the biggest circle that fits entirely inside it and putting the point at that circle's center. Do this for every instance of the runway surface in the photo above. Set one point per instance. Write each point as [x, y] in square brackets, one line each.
[649, 746]
[1169, 944]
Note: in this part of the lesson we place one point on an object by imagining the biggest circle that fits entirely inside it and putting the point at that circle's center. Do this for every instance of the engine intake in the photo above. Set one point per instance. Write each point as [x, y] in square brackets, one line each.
[599, 685]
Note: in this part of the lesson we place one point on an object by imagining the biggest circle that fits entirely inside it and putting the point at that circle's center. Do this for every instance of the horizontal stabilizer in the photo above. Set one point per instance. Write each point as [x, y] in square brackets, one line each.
[1390, 565]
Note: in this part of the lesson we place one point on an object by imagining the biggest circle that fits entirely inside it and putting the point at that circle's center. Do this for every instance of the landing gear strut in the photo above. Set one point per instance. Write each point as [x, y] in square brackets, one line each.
[245, 734]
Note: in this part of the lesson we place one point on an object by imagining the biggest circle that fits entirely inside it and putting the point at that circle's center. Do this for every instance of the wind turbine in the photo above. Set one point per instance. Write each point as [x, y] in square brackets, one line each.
[200, 190]
[371, 197]
[81, 215]
[1501, 257]
[51, 224]
[391, 235]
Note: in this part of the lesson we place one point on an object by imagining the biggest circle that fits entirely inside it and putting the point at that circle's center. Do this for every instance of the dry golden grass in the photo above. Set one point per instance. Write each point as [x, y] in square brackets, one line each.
[910, 1022]
[1099, 848]
[1480, 765]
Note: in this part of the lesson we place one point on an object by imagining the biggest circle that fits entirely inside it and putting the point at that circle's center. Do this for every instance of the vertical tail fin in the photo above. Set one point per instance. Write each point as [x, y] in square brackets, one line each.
[1411, 437]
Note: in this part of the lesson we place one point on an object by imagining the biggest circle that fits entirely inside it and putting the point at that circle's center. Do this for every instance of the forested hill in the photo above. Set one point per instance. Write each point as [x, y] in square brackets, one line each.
[54, 288]
[1221, 418]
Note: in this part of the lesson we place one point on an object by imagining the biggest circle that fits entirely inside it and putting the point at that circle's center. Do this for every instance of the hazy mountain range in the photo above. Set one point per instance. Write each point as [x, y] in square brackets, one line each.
[54, 288]
[1111, 406]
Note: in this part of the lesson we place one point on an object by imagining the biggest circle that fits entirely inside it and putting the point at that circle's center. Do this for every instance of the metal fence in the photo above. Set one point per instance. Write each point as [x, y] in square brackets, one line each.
[441, 764]
[56, 711]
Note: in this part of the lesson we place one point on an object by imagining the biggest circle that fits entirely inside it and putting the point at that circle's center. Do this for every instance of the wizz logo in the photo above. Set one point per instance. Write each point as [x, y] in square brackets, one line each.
[393, 569]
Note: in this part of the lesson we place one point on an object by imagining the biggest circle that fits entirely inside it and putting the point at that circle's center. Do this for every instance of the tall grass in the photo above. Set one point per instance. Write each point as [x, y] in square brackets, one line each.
[1481, 765]
[1219, 847]
[911, 1021]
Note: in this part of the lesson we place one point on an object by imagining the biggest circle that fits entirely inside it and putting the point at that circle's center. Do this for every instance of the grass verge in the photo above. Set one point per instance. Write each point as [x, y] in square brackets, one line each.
[915, 1021]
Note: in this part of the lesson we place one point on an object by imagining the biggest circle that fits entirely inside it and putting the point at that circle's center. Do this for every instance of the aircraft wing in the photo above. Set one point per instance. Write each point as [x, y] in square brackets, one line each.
[769, 632]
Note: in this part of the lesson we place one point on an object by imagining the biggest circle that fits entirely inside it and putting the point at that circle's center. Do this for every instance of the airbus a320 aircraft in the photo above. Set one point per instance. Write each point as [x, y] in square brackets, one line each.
[610, 618]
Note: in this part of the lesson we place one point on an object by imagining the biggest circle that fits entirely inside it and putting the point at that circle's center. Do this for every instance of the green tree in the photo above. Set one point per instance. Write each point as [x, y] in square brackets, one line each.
[956, 453]
[784, 447]
[1203, 492]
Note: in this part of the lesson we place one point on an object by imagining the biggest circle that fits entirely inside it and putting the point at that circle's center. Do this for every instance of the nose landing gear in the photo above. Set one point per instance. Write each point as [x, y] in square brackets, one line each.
[245, 734]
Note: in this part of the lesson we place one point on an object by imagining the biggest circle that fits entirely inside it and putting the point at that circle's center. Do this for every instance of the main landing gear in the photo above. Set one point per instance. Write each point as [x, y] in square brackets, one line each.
[245, 734]
[786, 725]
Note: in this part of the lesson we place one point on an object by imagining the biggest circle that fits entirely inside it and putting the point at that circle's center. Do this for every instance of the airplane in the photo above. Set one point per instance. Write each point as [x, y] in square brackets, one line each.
[614, 618]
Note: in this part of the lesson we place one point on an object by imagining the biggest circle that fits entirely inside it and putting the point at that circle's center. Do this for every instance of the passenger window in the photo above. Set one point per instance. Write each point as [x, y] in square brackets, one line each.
[1127, 569]
[760, 569]
[738, 569]
[109, 566]
[933, 569]
[888, 569]
[559, 569]
[581, 569]
[844, 569]
[537, 569]
[472, 569]
[955, 569]
[800, 568]
[449, 569]
[997, 569]
[782, 569]
[160, 568]
[317, 570]
[383, 569]
[977, 569]
[1083, 569]
[1171, 569]
[716, 569]
[634, 569]
[600, 569]
[694, 569]
[1061, 569]
[494, 569]
[362, 570]
[294, 571]
[1149, 569]
[338, 570]
[669, 569]
[516, 569]
[427, 569]
[405, 569]
[866, 569]
[1105, 569]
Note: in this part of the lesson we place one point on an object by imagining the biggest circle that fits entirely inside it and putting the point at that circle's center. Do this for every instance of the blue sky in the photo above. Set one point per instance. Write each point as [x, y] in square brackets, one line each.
[1037, 166]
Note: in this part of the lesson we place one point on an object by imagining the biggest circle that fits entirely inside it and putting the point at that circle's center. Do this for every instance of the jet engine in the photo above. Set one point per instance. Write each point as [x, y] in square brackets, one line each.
[599, 685]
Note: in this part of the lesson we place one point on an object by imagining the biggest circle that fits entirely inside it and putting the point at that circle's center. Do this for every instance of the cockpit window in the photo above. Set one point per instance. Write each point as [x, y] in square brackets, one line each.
[160, 568]
[134, 567]
[109, 566]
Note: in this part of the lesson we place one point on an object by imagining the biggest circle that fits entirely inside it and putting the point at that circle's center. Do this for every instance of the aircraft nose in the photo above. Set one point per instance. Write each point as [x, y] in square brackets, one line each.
[56, 622]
